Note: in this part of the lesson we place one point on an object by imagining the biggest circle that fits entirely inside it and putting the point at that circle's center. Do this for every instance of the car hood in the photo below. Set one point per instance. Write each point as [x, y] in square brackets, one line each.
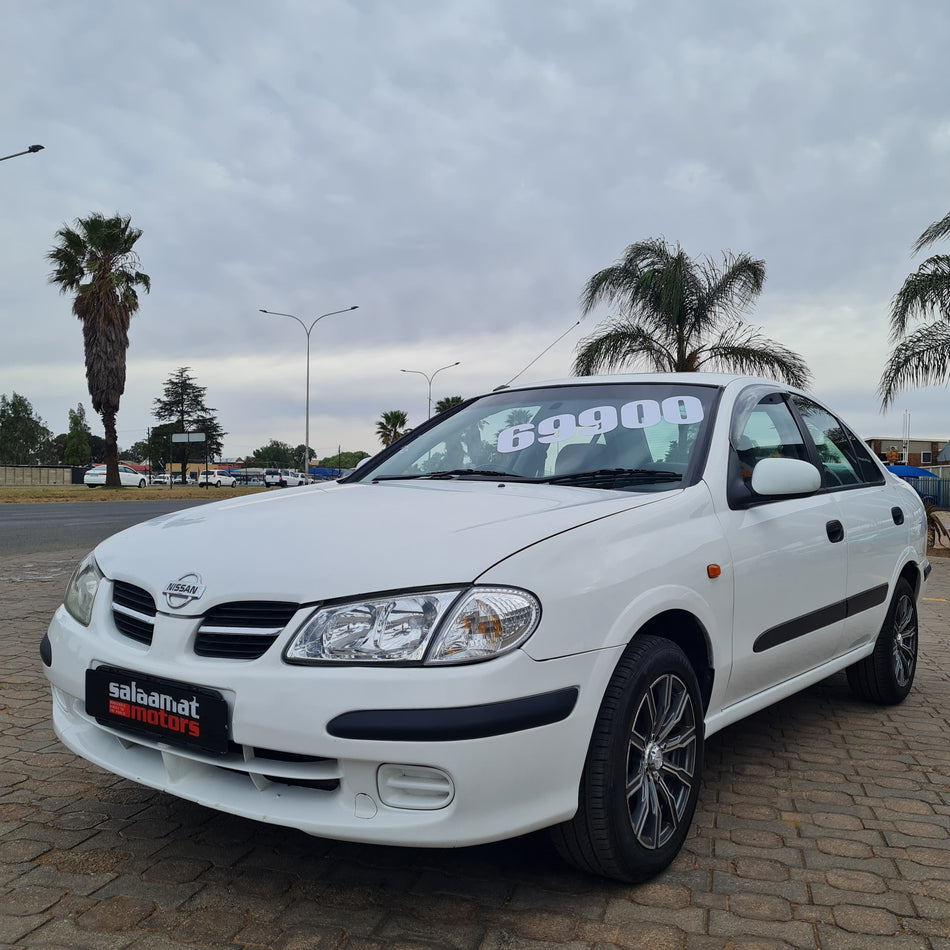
[309, 544]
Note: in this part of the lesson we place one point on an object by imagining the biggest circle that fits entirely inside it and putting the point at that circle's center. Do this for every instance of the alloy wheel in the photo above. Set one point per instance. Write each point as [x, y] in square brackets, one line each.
[904, 651]
[661, 761]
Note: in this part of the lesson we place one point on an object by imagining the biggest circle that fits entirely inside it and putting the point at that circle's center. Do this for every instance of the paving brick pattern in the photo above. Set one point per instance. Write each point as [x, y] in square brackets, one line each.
[823, 823]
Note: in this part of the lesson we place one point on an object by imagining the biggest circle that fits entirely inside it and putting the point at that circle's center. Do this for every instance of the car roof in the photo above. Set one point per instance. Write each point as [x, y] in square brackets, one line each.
[707, 379]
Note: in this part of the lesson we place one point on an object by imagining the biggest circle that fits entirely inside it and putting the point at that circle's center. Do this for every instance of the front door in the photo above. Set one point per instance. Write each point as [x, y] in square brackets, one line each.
[790, 564]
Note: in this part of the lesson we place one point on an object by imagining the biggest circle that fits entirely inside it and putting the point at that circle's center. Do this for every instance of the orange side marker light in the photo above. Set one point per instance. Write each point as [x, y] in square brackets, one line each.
[713, 570]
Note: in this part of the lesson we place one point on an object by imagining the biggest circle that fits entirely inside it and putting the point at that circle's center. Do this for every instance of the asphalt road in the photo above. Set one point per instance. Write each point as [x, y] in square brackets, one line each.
[44, 526]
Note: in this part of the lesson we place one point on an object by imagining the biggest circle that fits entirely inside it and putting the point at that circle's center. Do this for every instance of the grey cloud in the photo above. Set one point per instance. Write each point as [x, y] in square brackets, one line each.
[455, 168]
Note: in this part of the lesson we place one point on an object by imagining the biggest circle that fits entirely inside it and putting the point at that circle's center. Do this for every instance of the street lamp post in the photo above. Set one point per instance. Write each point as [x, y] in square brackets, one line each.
[307, 330]
[430, 378]
[32, 148]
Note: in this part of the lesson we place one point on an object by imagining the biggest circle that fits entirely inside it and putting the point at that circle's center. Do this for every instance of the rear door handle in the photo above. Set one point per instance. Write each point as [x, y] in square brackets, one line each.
[835, 530]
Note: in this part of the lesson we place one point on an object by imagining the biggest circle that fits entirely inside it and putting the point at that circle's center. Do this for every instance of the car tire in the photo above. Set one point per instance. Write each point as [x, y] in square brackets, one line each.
[282, 484]
[641, 780]
[217, 484]
[141, 483]
[887, 675]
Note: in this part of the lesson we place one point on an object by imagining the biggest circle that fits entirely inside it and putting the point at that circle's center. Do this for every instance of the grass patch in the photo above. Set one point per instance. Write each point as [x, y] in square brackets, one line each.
[20, 494]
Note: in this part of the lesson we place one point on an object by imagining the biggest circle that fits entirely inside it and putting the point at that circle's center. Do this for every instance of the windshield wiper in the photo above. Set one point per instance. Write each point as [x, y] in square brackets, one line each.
[622, 475]
[451, 473]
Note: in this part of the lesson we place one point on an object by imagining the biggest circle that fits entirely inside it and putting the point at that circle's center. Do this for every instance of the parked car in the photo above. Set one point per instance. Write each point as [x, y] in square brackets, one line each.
[282, 478]
[160, 479]
[251, 481]
[96, 476]
[218, 479]
[532, 614]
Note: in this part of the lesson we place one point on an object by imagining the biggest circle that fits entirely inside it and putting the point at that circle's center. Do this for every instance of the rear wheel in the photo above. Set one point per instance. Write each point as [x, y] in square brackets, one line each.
[887, 675]
[641, 780]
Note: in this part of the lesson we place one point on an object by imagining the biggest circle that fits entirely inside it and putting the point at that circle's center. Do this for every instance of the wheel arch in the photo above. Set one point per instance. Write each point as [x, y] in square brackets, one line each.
[912, 573]
[685, 630]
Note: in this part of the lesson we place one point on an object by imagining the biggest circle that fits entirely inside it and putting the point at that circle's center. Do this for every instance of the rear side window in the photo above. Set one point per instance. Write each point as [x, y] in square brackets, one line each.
[844, 458]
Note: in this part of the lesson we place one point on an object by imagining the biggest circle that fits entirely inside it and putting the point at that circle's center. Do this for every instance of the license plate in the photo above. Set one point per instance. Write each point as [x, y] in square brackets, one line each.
[160, 709]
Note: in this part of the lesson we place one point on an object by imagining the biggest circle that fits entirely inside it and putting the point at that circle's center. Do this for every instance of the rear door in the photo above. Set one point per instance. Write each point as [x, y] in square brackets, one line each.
[876, 520]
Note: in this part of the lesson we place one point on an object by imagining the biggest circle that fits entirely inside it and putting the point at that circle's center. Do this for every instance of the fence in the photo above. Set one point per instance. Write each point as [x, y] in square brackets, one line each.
[40, 475]
[935, 490]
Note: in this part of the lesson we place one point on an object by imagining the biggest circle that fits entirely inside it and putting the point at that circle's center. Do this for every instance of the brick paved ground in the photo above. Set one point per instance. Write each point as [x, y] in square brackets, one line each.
[823, 823]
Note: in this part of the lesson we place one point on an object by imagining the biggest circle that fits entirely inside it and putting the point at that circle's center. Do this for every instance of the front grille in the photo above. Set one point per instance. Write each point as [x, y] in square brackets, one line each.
[128, 595]
[133, 612]
[243, 630]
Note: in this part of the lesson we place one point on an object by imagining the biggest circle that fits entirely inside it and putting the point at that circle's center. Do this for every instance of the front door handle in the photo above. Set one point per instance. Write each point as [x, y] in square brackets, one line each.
[835, 530]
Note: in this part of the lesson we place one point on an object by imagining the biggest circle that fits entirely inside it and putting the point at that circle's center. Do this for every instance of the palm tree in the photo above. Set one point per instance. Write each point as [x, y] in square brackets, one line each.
[920, 357]
[391, 425]
[97, 263]
[677, 314]
[447, 402]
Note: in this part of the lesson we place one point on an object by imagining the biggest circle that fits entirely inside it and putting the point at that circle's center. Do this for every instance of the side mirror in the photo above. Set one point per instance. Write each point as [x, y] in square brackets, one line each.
[785, 477]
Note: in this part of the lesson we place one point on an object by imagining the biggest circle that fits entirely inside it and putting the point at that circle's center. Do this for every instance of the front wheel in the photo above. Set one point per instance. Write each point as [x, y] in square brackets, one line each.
[141, 483]
[641, 779]
[886, 676]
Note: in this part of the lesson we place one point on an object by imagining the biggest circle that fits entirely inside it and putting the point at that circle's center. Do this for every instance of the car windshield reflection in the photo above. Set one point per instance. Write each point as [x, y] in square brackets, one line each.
[635, 437]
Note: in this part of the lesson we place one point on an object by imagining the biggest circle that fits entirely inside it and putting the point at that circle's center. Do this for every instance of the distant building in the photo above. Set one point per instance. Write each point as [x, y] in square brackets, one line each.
[920, 452]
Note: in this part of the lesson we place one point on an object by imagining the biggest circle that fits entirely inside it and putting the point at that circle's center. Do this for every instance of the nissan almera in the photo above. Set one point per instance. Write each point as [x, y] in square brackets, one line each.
[534, 610]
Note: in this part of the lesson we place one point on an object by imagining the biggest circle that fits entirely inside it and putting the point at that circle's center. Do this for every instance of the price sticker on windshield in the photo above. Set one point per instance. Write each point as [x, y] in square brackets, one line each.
[637, 414]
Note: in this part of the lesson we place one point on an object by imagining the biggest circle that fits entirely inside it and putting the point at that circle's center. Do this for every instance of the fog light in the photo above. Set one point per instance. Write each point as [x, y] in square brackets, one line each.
[414, 786]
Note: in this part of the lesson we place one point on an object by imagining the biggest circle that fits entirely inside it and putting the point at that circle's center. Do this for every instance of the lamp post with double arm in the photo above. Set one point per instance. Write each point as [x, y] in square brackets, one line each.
[307, 330]
[430, 378]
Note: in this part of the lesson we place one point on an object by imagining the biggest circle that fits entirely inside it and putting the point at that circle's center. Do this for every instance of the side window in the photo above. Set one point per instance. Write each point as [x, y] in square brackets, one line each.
[844, 459]
[769, 431]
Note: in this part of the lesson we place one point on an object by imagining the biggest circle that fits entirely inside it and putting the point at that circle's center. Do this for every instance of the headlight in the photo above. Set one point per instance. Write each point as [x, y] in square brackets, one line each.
[444, 626]
[489, 621]
[81, 591]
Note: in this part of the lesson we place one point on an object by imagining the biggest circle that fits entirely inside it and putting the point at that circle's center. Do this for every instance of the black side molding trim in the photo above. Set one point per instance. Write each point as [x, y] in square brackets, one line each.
[809, 623]
[456, 722]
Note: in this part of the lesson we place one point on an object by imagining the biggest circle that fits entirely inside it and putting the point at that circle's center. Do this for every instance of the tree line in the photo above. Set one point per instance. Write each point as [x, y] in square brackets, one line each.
[25, 439]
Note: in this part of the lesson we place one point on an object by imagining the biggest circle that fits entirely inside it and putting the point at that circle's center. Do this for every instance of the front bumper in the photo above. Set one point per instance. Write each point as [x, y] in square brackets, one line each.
[431, 757]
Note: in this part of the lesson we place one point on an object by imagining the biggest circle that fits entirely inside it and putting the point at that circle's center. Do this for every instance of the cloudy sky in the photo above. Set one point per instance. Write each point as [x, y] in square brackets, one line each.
[457, 169]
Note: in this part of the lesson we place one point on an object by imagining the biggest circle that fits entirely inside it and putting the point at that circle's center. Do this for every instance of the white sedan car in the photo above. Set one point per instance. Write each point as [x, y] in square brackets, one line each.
[217, 479]
[128, 476]
[534, 610]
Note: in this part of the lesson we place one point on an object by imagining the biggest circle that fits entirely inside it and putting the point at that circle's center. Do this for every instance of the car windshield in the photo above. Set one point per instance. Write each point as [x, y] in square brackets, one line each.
[635, 436]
